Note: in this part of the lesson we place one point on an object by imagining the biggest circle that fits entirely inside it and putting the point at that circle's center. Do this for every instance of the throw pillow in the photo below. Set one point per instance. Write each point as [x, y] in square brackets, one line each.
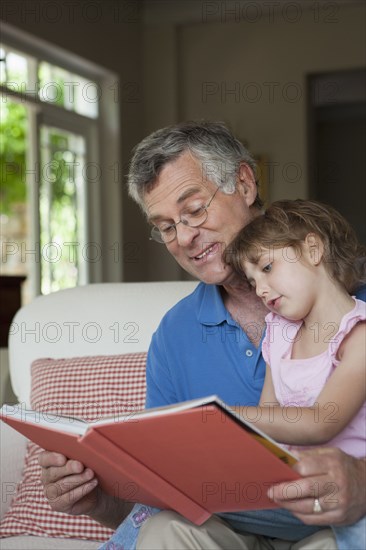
[88, 388]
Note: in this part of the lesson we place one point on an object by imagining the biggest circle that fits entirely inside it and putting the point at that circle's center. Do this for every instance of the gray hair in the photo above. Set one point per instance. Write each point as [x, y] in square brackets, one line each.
[210, 142]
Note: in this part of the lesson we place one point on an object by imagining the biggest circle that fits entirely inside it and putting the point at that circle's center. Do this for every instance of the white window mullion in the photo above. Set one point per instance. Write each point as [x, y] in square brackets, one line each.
[92, 202]
[33, 173]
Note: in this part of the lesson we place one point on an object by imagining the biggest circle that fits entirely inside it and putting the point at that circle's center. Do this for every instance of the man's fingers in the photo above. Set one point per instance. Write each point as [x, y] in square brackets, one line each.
[47, 459]
[66, 497]
[67, 483]
[322, 460]
[53, 473]
[307, 488]
[299, 498]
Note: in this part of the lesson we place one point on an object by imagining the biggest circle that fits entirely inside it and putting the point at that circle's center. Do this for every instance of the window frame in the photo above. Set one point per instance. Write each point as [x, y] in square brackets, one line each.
[102, 204]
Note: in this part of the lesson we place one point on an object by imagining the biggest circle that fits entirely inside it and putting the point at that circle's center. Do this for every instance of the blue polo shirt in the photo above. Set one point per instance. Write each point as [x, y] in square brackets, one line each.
[199, 350]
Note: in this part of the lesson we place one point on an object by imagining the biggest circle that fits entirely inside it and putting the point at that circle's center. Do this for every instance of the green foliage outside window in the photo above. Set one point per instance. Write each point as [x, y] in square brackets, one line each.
[13, 130]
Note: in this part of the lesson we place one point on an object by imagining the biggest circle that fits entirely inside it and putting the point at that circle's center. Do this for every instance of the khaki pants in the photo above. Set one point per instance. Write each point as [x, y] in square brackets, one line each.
[169, 531]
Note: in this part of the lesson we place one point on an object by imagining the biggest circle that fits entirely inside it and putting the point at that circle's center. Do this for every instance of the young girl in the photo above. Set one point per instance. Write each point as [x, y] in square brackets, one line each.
[303, 260]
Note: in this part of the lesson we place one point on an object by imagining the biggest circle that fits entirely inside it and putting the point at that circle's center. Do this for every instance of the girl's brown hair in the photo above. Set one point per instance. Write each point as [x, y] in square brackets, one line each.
[287, 223]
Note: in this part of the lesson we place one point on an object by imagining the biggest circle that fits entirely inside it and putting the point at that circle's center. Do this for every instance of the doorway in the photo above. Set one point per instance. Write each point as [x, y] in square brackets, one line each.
[337, 143]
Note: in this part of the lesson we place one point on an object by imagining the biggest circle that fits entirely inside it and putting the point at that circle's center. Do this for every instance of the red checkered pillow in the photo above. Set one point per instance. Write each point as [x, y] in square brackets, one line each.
[88, 388]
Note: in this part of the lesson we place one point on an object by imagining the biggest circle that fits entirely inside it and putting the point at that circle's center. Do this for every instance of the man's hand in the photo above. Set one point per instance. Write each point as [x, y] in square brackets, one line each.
[73, 489]
[69, 486]
[336, 479]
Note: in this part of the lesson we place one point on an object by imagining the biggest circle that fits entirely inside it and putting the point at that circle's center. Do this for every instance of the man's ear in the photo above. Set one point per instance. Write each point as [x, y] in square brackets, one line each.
[315, 248]
[246, 184]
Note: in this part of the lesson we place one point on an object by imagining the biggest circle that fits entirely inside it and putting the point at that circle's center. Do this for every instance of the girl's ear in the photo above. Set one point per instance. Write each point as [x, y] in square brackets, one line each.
[246, 183]
[315, 248]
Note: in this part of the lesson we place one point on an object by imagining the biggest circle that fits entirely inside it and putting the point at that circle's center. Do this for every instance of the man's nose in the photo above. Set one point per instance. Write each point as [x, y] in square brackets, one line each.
[186, 234]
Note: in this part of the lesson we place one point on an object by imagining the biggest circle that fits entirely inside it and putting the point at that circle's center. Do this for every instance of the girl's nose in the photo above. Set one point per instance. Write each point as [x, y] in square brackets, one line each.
[261, 289]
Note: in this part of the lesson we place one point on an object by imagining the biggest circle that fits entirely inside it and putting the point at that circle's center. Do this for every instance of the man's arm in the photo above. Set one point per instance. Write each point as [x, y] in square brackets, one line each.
[73, 489]
[338, 480]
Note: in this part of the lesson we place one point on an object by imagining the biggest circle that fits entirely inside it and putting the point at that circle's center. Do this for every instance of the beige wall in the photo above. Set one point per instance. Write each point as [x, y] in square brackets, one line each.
[252, 76]
[246, 58]
[187, 70]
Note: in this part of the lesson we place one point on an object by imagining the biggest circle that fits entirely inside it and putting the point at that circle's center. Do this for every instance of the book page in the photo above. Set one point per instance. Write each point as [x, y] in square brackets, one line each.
[50, 420]
[134, 416]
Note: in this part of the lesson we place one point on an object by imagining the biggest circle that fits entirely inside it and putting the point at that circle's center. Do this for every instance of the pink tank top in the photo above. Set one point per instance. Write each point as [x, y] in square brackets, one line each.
[298, 382]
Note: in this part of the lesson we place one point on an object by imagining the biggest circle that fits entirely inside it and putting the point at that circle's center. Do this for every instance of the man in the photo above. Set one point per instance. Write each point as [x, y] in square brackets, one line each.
[196, 184]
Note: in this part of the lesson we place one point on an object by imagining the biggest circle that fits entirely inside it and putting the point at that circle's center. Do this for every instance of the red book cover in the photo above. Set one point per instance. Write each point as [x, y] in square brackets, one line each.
[196, 458]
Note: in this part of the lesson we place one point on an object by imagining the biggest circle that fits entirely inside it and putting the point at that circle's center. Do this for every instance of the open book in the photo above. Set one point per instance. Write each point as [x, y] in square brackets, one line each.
[197, 458]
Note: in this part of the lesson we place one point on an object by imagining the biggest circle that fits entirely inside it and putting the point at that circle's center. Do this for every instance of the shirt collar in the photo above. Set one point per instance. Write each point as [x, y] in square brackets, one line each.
[212, 310]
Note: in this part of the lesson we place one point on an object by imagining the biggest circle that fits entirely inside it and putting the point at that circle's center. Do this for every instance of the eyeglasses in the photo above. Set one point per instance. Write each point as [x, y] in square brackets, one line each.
[192, 217]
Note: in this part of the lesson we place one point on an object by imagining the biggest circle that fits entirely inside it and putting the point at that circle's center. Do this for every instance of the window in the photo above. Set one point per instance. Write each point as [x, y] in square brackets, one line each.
[53, 125]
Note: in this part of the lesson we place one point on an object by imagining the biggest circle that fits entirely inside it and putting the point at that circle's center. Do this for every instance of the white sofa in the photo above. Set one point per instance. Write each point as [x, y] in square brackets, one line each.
[42, 329]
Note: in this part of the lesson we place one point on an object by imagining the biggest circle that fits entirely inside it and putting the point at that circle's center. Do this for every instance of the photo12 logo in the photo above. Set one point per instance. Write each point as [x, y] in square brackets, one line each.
[268, 11]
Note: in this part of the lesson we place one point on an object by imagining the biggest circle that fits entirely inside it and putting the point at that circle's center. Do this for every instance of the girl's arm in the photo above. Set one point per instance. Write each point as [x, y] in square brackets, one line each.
[268, 396]
[339, 401]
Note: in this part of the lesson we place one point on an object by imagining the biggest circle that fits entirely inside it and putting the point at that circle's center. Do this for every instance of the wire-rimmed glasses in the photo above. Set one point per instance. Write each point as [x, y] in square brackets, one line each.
[191, 217]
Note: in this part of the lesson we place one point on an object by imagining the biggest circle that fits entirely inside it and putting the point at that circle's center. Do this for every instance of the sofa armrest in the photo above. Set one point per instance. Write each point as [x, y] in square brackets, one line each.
[13, 446]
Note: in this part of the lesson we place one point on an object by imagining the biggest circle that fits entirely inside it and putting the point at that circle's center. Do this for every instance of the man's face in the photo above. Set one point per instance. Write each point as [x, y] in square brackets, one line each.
[181, 185]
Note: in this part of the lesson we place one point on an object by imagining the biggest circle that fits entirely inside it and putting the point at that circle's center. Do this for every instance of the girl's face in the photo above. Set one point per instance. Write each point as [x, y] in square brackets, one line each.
[285, 279]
